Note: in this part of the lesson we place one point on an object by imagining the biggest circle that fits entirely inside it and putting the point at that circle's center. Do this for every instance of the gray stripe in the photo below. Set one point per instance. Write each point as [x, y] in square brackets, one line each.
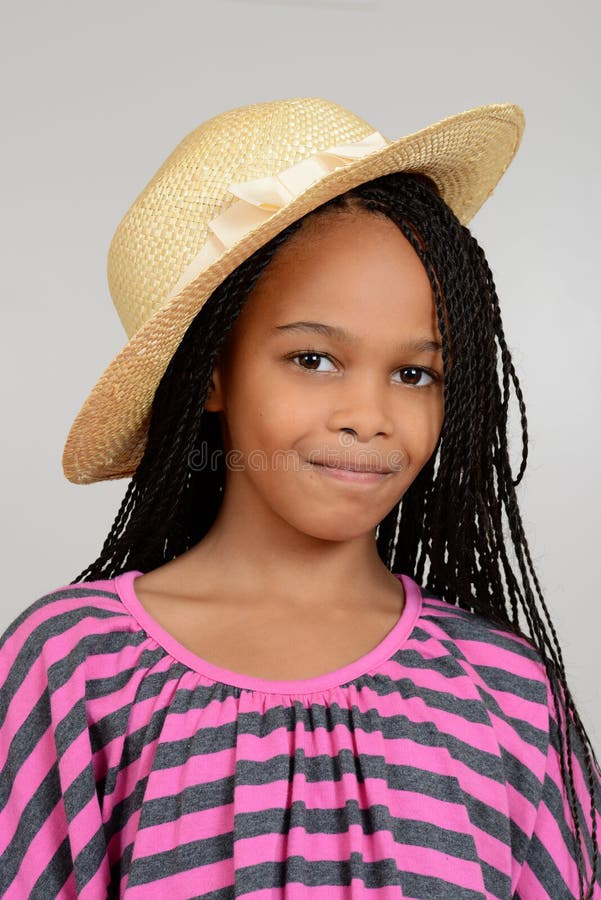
[584, 814]
[544, 867]
[553, 800]
[219, 793]
[474, 710]
[93, 644]
[31, 650]
[75, 798]
[175, 753]
[181, 859]
[55, 875]
[340, 873]
[501, 680]
[520, 777]
[428, 888]
[23, 744]
[150, 686]
[497, 883]
[133, 746]
[426, 734]
[33, 816]
[89, 859]
[468, 626]
[267, 875]
[122, 812]
[225, 893]
[55, 597]
[490, 821]
[119, 869]
[530, 734]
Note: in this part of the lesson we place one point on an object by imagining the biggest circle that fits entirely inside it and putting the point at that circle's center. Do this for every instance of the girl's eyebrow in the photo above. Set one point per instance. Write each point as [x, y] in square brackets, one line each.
[418, 345]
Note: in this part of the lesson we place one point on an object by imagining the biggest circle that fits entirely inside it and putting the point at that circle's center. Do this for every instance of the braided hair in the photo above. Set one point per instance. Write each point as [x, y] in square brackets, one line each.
[171, 502]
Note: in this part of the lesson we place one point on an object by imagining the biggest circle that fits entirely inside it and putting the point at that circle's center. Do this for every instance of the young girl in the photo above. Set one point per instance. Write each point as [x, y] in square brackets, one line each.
[304, 663]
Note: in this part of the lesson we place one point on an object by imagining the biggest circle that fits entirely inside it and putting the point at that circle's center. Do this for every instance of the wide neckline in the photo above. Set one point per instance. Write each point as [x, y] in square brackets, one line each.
[124, 585]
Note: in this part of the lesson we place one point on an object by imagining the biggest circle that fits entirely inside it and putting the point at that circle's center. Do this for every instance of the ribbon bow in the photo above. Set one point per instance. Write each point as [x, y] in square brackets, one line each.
[261, 197]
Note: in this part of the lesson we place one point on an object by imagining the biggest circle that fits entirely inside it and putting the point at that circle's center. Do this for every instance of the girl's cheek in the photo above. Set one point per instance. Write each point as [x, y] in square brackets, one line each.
[422, 429]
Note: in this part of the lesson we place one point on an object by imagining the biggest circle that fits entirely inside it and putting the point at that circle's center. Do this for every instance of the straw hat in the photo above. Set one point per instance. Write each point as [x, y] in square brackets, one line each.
[226, 189]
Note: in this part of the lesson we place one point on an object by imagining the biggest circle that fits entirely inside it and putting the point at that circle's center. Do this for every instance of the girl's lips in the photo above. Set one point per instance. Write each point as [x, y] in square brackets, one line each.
[350, 476]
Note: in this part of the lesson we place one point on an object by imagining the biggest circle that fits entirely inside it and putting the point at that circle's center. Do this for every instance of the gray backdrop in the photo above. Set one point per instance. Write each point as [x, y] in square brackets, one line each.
[95, 96]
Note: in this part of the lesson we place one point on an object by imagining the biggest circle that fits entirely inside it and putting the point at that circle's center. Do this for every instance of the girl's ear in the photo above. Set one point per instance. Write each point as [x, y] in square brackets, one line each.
[214, 401]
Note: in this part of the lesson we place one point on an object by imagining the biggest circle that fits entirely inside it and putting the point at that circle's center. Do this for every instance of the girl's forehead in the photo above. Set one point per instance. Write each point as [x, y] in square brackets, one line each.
[350, 269]
[349, 285]
[345, 324]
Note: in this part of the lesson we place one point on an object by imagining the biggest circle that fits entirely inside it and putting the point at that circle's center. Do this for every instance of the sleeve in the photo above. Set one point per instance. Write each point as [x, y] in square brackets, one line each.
[51, 835]
[550, 869]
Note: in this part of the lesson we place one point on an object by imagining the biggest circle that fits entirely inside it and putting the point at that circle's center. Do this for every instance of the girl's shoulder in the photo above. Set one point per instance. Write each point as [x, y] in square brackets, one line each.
[476, 637]
[69, 619]
[500, 662]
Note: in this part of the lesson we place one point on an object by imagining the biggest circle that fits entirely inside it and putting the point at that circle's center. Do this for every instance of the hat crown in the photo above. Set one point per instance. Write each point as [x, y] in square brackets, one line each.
[168, 222]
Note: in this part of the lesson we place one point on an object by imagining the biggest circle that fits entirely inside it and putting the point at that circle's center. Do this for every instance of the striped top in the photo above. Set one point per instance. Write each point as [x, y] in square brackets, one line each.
[130, 767]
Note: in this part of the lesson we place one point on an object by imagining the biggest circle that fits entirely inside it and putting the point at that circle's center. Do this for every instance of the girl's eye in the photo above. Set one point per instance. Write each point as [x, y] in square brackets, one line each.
[433, 376]
[309, 354]
[418, 370]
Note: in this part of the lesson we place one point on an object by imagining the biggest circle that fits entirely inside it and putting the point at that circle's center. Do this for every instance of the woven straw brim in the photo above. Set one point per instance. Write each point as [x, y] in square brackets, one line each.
[465, 155]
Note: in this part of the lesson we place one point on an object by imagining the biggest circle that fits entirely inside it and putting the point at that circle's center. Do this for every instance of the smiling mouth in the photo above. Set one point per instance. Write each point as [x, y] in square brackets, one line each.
[349, 468]
[353, 469]
[357, 476]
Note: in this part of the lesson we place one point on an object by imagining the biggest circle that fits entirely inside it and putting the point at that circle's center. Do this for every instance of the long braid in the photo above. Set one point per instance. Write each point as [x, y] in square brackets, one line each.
[151, 526]
[171, 502]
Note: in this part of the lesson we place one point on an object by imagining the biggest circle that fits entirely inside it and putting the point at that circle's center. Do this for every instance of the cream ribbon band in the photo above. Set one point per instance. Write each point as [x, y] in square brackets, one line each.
[261, 197]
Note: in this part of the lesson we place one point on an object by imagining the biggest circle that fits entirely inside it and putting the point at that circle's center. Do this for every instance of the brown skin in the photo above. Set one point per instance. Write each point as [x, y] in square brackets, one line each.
[287, 534]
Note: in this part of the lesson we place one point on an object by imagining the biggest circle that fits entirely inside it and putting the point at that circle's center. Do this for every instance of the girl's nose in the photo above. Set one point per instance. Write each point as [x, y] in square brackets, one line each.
[362, 415]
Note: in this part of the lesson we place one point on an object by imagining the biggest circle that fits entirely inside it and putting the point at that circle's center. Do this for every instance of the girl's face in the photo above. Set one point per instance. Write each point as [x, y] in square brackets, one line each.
[292, 397]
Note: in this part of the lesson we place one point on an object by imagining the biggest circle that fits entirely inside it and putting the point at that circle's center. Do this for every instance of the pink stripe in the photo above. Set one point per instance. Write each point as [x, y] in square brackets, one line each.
[554, 771]
[96, 886]
[22, 886]
[56, 609]
[510, 740]
[482, 653]
[437, 864]
[42, 849]
[139, 717]
[210, 877]
[528, 885]
[355, 891]
[122, 838]
[465, 688]
[249, 799]
[296, 842]
[535, 714]
[35, 682]
[366, 700]
[521, 810]
[205, 824]
[401, 751]
[26, 782]
[549, 834]
[21, 703]
[513, 662]
[218, 876]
